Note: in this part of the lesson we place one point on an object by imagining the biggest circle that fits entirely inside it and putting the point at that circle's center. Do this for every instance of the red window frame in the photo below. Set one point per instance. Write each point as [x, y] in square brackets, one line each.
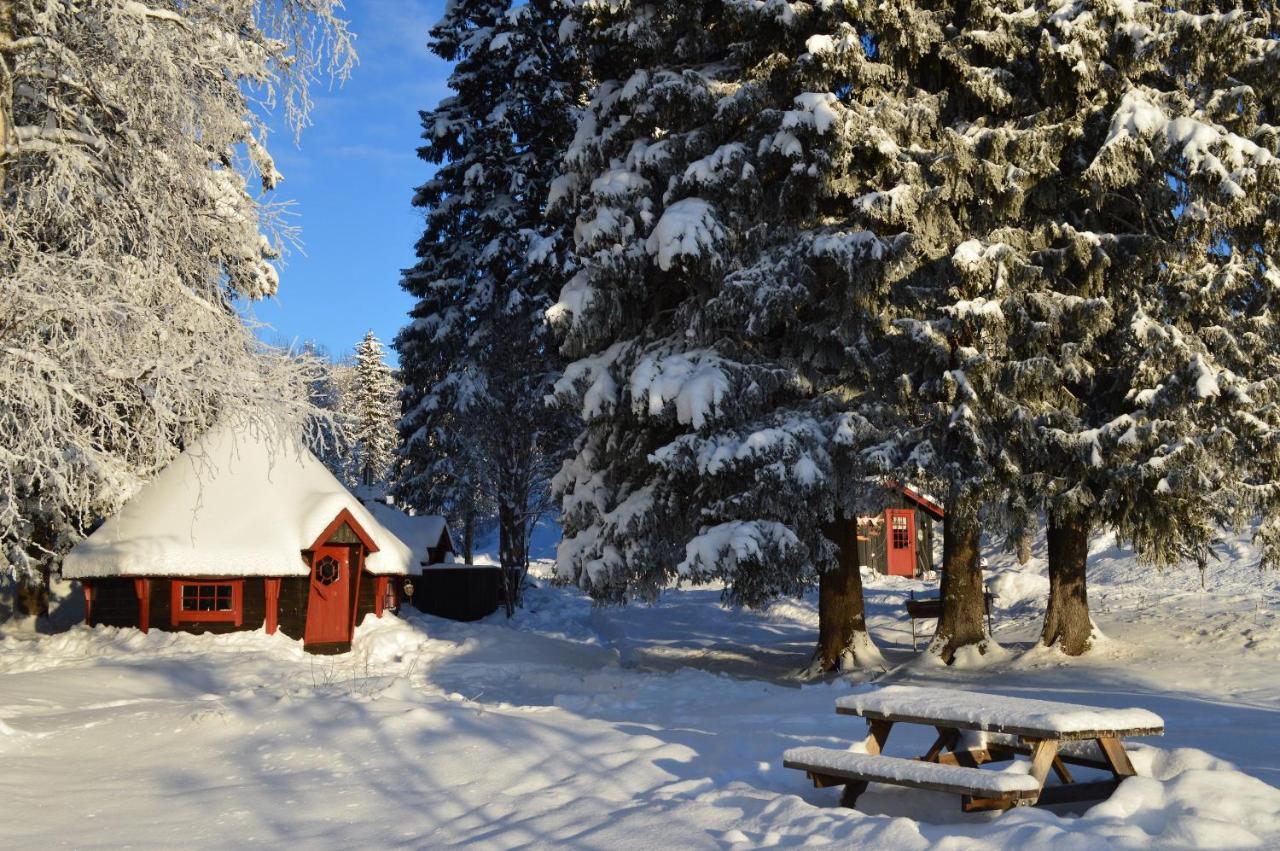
[180, 615]
[900, 532]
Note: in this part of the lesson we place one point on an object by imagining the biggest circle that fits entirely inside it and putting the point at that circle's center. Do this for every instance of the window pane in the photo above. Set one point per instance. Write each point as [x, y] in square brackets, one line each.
[900, 533]
[206, 598]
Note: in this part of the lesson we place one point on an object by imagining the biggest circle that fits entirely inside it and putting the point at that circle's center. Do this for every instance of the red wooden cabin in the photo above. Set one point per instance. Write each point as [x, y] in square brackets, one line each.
[242, 532]
[898, 541]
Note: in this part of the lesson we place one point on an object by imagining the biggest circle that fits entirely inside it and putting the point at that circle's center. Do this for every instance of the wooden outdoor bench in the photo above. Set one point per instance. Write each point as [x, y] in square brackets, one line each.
[855, 770]
[929, 607]
[1051, 734]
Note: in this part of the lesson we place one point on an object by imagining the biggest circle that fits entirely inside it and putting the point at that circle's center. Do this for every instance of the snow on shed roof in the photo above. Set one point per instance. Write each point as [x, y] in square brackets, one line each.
[421, 531]
[927, 503]
[237, 502]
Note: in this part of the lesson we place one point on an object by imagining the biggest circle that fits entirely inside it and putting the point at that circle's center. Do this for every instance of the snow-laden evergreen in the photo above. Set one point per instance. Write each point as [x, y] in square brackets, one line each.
[371, 406]
[1085, 328]
[722, 304]
[1020, 253]
[475, 357]
[129, 140]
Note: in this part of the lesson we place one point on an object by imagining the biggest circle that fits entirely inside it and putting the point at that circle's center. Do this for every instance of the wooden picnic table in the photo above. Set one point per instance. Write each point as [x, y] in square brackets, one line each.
[1052, 734]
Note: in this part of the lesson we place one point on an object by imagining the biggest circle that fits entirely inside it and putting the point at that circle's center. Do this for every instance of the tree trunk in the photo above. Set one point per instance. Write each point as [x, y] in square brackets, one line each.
[31, 597]
[963, 622]
[511, 551]
[468, 536]
[1066, 620]
[1024, 546]
[842, 622]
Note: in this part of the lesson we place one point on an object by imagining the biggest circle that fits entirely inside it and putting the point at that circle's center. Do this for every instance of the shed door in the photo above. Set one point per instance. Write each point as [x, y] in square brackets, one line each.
[329, 605]
[900, 541]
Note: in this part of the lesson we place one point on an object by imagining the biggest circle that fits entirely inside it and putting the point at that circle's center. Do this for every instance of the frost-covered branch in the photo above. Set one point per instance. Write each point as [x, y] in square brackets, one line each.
[126, 232]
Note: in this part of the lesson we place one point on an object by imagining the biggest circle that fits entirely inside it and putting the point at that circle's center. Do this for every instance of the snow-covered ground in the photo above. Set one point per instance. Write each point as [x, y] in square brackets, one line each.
[649, 727]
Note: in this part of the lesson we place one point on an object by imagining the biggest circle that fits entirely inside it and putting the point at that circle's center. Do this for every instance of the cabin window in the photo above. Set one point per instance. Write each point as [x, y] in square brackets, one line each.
[194, 602]
[901, 535]
[206, 598]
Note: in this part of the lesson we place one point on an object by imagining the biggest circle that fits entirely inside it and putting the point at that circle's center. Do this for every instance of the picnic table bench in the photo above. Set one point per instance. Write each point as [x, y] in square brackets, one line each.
[1052, 734]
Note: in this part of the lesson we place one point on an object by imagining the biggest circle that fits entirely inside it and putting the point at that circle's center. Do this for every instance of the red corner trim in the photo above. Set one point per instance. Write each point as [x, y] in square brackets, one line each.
[142, 588]
[272, 587]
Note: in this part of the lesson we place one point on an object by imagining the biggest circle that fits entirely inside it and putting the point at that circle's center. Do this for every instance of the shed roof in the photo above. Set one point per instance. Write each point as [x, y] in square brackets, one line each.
[925, 503]
[420, 531]
[237, 502]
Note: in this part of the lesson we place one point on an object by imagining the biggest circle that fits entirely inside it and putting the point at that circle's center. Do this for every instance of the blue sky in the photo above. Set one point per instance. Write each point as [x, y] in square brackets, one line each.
[350, 180]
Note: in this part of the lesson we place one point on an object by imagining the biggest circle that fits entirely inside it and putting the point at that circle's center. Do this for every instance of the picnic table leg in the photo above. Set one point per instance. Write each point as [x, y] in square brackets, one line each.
[879, 733]
[1114, 754]
[852, 789]
[1043, 754]
[1114, 757]
[874, 743]
[947, 738]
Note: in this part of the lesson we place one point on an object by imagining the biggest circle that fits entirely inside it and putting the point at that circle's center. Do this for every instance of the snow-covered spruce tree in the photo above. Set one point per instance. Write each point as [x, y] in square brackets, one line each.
[475, 357]
[1089, 330]
[127, 137]
[371, 407]
[736, 259]
[1177, 437]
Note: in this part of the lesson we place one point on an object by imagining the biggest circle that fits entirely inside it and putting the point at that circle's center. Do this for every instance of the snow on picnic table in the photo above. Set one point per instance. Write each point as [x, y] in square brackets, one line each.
[997, 712]
[648, 727]
[912, 770]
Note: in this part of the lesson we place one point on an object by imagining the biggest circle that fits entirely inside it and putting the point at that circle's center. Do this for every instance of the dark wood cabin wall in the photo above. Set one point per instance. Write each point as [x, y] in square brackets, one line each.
[367, 597]
[295, 591]
[115, 603]
[877, 556]
[462, 594]
[924, 549]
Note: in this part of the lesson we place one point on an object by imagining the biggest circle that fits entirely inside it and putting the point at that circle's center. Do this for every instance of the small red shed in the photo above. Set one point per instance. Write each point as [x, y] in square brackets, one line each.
[244, 530]
[898, 541]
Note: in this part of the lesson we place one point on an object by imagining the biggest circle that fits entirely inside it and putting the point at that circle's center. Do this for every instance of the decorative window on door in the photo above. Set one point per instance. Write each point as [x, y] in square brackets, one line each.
[901, 535]
[328, 570]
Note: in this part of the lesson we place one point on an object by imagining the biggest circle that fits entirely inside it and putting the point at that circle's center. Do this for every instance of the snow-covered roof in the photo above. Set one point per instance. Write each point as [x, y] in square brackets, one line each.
[238, 502]
[421, 531]
[456, 565]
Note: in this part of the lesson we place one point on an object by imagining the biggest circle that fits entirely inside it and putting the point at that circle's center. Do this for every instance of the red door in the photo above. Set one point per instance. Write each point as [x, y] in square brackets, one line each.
[900, 534]
[329, 606]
